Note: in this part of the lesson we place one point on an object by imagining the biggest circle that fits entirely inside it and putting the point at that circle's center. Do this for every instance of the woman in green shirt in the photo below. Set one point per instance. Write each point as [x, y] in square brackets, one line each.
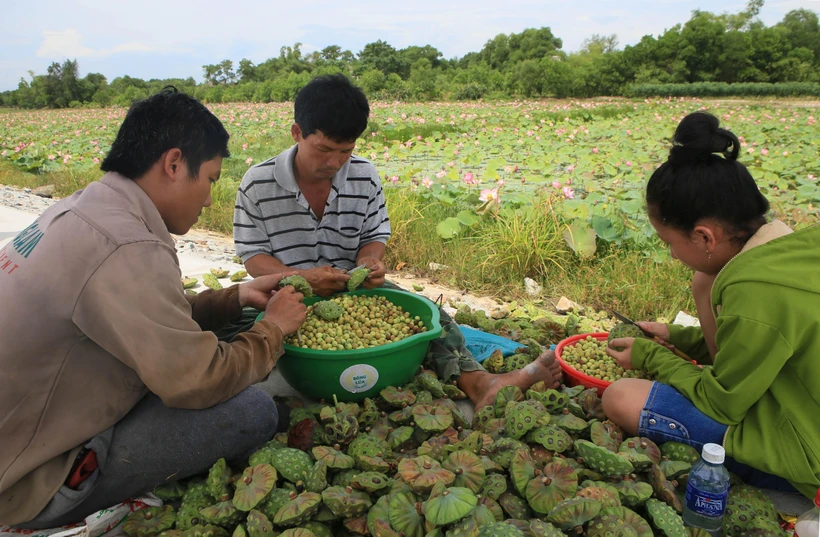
[759, 396]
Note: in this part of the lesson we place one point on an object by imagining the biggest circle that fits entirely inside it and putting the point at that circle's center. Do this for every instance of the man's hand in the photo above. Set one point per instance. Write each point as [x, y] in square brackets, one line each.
[257, 292]
[377, 271]
[624, 357]
[326, 280]
[286, 309]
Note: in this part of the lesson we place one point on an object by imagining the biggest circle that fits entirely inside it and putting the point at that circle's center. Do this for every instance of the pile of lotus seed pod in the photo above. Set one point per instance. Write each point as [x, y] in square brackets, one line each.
[408, 463]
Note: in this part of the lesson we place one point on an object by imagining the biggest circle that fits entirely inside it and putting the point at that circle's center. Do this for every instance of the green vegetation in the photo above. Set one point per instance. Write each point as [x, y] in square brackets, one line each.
[736, 51]
[488, 193]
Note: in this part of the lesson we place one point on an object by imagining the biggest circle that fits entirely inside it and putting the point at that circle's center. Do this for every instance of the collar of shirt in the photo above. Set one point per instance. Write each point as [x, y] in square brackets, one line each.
[142, 204]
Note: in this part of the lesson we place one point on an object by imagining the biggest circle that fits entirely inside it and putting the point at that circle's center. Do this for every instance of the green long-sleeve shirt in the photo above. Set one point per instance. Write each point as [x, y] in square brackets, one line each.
[765, 381]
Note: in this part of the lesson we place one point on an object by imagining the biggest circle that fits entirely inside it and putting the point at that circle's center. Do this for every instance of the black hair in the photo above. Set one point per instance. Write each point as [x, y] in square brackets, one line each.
[703, 179]
[333, 105]
[163, 121]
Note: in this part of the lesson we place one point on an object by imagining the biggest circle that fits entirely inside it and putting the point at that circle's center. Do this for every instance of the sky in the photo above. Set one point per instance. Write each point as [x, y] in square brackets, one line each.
[172, 38]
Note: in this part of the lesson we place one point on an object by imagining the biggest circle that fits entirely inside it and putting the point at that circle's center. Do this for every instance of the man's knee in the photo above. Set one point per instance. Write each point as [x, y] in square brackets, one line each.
[254, 411]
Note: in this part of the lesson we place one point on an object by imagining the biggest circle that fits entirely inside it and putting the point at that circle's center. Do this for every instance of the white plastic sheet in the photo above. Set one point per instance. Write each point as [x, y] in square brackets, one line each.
[105, 523]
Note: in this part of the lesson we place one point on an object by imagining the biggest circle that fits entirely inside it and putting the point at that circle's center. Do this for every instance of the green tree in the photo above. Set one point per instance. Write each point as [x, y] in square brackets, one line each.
[384, 57]
[803, 31]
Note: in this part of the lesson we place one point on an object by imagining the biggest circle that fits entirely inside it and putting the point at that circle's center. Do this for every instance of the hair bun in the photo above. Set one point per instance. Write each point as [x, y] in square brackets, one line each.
[698, 136]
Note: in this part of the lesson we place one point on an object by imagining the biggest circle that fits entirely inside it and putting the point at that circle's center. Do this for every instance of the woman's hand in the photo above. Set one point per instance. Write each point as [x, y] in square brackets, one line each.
[624, 356]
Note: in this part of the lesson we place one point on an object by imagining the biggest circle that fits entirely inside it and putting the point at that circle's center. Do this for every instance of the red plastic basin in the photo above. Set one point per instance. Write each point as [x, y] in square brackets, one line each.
[572, 376]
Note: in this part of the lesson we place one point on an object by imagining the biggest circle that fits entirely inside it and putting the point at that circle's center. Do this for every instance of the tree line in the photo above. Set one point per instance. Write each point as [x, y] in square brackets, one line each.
[728, 48]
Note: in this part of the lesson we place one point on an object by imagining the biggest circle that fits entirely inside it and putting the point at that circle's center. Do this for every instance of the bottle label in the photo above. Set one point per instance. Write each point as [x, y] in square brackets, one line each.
[708, 504]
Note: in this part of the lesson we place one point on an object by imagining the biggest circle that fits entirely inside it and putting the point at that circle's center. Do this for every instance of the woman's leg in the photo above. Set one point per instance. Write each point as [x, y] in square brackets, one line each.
[662, 414]
[624, 401]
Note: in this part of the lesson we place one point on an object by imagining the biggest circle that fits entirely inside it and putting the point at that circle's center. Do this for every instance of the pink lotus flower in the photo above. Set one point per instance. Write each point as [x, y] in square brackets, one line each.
[51, 157]
[628, 163]
[394, 179]
[470, 179]
[568, 193]
[595, 150]
[248, 161]
[244, 147]
[427, 182]
[570, 168]
[3, 154]
[96, 160]
[811, 177]
[764, 151]
[441, 174]
[489, 195]
[556, 184]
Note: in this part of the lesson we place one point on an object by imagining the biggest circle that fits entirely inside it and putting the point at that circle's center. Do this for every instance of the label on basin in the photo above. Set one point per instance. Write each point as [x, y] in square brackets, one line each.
[359, 378]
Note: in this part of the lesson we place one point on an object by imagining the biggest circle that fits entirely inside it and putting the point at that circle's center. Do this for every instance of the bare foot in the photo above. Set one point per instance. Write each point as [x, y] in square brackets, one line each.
[481, 387]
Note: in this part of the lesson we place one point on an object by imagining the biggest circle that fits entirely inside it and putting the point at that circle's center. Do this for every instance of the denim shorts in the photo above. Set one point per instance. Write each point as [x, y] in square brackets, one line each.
[669, 416]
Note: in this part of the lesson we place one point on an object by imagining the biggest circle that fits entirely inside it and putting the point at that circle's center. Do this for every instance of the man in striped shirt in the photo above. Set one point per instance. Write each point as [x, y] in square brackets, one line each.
[319, 210]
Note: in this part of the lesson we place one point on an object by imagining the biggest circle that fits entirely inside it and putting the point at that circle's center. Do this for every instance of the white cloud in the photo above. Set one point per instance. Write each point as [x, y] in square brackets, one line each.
[69, 44]
[62, 44]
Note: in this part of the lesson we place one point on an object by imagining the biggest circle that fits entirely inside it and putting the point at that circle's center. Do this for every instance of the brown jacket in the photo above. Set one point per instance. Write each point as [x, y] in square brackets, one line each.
[93, 317]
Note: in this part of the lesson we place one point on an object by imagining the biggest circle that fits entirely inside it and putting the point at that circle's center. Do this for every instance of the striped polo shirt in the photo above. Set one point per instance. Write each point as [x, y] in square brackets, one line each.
[273, 217]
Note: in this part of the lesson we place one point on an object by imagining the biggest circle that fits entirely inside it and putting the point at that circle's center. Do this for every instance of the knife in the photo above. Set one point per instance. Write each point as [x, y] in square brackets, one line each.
[650, 335]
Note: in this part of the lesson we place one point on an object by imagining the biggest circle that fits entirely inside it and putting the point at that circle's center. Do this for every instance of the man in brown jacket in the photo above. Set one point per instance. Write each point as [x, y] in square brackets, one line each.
[111, 379]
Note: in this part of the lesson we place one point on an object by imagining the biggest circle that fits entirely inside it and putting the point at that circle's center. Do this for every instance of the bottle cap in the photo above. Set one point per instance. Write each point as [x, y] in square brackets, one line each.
[714, 453]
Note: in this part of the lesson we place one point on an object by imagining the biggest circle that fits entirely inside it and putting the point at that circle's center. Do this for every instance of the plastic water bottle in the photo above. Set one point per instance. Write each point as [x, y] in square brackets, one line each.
[808, 524]
[706, 491]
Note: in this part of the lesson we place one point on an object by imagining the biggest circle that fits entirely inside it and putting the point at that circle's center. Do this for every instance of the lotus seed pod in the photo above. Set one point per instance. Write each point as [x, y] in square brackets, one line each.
[623, 330]
[357, 277]
[211, 282]
[328, 310]
[299, 283]
[254, 486]
[573, 513]
[239, 275]
[149, 522]
[665, 519]
[495, 362]
[675, 451]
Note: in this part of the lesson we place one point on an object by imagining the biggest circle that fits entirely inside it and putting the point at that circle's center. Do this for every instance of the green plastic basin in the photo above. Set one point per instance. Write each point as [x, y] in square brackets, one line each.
[355, 374]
